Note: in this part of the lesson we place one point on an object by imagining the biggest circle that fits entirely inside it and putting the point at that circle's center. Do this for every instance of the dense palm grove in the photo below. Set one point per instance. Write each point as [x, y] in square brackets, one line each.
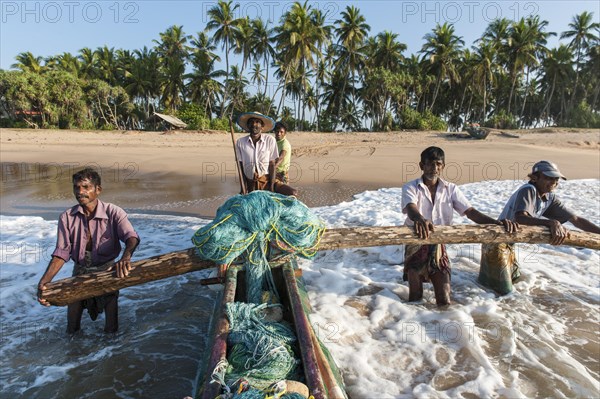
[327, 77]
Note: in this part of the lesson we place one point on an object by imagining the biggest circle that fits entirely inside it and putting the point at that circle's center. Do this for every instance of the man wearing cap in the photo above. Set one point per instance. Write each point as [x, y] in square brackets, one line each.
[533, 204]
[257, 153]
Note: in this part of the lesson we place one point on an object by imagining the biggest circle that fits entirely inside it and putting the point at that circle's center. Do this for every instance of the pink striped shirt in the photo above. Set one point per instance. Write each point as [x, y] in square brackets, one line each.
[107, 228]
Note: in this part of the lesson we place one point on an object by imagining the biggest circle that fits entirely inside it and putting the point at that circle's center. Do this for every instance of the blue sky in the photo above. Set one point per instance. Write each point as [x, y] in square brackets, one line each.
[53, 27]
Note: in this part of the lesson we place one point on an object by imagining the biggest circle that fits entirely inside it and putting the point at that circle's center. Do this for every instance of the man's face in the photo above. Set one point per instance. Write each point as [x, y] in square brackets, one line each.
[255, 126]
[432, 169]
[280, 133]
[85, 191]
[545, 184]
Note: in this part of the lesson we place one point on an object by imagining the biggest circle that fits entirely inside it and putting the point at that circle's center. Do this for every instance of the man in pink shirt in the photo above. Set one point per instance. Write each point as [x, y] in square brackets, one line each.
[90, 233]
[430, 201]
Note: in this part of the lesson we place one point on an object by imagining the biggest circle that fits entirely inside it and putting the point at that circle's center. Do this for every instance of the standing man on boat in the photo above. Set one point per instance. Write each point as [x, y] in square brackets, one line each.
[90, 233]
[533, 204]
[282, 164]
[257, 153]
[429, 201]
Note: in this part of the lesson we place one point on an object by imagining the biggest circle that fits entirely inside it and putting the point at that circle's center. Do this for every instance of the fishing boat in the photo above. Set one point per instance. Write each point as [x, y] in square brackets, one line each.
[477, 132]
[320, 373]
[320, 376]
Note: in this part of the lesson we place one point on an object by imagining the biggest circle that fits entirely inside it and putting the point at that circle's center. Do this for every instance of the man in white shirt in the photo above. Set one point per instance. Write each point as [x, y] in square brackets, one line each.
[256, 152]
[430, 201]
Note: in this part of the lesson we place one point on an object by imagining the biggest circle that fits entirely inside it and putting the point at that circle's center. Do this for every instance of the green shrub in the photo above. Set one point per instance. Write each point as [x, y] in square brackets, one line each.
[502, 120]
[219, 124]
[583, 116]
[413, 119]
[194, 116]
[6, 123]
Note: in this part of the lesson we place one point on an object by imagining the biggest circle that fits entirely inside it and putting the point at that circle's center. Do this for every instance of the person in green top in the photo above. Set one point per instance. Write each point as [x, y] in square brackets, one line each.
[282, 163]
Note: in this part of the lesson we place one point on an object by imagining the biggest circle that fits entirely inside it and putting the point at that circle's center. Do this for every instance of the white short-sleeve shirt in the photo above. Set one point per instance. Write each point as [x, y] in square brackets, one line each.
[256, 157]
[448, 198]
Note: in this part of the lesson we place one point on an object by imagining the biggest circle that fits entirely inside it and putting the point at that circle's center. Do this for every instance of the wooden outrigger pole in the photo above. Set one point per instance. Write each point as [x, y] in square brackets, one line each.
[63, 292]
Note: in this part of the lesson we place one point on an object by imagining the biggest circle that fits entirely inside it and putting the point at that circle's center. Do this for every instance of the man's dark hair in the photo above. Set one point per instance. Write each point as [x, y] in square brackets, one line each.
[280, 125]
[433, 154]
[88, 173]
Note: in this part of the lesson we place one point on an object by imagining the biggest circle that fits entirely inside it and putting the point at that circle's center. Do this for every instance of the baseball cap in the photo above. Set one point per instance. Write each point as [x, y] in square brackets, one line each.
[548, 168]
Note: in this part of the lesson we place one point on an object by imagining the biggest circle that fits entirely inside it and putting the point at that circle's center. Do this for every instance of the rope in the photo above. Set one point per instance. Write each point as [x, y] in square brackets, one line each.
[260, 352]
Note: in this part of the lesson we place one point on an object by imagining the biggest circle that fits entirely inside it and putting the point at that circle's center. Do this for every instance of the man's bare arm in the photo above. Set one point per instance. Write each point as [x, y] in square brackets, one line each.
[422, 225]
[557, 230]
[584, 224]
[53, 268]
[481, 218]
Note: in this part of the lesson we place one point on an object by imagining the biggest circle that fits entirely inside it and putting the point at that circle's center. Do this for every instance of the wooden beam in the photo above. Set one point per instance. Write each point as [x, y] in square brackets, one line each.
[359, 237]
[73, 289]
[63, 292]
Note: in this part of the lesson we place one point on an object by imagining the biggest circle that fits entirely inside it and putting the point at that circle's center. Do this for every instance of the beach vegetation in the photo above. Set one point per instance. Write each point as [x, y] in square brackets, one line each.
[317, 75]
[194, 116]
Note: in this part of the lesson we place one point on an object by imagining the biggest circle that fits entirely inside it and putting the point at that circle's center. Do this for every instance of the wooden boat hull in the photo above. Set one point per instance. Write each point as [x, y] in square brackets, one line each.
[478, 133]
[321, 374]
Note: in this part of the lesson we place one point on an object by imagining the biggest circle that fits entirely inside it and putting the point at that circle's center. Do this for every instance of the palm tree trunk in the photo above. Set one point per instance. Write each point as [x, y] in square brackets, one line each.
[547, 105]
[572, 102]
[525, 97]
[267, 75]
[484, 113]
[225, 91]
[512, 88]
[437, 88]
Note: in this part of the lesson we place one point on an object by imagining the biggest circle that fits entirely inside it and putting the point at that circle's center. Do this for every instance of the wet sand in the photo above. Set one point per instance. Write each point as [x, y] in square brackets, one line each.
[194, 172]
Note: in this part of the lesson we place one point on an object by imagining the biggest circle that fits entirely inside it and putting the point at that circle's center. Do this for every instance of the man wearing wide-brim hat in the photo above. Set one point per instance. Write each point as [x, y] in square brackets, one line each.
[533, 204]
[257, 152]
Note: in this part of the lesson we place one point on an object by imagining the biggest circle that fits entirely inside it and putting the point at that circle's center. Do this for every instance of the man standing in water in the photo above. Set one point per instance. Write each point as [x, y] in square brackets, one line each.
[430, 201]
[90, 234]
[533, 204]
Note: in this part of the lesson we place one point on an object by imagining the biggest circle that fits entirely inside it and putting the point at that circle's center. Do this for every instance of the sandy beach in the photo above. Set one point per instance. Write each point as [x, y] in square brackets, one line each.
[194, 172]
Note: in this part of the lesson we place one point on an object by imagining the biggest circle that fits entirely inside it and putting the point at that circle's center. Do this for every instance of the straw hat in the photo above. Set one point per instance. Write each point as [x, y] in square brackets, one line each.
[268, 123]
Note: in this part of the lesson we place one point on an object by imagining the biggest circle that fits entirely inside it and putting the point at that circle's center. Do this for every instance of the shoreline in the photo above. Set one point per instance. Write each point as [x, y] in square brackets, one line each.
[192, 173]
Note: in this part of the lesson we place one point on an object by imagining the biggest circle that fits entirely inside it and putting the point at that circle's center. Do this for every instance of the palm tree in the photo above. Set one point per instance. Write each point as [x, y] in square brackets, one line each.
[138, 80]
[107, 64]
[591, 69]
[540, 39]
[244, 42]
[87, 61]
[298, 40]
[484, 71]
[496, 36]
[203, 48]
[582, 35]
[203, 86]
[386, 51]
[526, 41]
[65, 62]
[27, 62]
[224, 24]
[236, 86]
[557, 70]
[352, 31]
[442, 48]
[257, 75]
[263, 37]
[172, 50]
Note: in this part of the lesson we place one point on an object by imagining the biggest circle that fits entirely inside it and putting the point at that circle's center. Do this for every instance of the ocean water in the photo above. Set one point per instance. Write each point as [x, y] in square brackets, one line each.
[542, 340]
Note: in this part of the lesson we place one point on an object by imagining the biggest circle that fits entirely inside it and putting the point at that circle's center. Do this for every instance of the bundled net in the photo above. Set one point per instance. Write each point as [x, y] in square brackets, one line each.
[245, 227]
